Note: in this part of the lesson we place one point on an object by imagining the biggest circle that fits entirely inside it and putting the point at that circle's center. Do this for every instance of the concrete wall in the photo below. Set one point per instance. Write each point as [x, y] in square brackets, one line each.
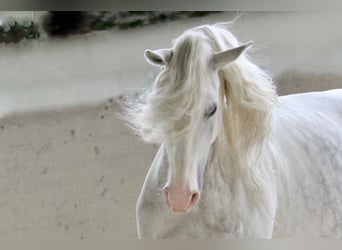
[69, 167]
[47, 73]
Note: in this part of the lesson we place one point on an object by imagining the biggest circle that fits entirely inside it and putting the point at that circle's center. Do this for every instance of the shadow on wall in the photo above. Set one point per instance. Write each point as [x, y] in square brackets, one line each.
[293, 81]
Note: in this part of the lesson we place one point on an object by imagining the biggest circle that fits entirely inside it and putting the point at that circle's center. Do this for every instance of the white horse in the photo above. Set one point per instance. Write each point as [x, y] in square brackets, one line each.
[235, 160]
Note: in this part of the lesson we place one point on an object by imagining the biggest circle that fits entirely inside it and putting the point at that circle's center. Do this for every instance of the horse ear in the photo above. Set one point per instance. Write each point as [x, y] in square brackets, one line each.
[158, 57]
[223, 58]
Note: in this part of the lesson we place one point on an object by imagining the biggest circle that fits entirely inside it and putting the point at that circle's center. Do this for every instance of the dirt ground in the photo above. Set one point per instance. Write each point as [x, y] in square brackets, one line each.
[293, 81]
[72, 173]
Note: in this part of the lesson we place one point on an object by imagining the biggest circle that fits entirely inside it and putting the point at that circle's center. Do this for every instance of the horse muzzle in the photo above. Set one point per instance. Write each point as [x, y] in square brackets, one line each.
[180, 200]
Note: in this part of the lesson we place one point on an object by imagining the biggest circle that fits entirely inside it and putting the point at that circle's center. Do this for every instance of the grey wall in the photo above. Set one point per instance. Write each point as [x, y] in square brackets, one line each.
[81, 69]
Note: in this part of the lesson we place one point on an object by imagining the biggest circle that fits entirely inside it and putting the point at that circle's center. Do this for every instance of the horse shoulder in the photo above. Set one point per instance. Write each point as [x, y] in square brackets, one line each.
[306, 140]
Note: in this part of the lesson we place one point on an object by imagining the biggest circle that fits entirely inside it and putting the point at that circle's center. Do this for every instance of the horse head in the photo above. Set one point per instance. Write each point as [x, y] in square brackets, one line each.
[189, 116]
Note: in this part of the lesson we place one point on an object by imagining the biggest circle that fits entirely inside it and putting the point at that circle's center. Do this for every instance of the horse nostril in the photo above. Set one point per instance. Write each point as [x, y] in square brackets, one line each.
[194, 198]
[166, 195]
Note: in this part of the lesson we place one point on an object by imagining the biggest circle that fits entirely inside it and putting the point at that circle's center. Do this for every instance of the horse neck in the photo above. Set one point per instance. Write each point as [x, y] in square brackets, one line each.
[221, 160]
[249, 170]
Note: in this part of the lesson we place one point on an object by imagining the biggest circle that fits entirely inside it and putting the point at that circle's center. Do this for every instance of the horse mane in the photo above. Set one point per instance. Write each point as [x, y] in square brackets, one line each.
[177, 93]
[249, 92]
[250, 97]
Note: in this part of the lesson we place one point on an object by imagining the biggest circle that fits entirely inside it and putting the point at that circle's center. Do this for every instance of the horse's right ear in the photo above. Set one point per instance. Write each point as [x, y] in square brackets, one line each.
[158, 57]
[224, 58]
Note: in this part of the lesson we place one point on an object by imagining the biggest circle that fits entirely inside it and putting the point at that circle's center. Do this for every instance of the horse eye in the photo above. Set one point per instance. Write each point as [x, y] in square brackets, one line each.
[211, 111]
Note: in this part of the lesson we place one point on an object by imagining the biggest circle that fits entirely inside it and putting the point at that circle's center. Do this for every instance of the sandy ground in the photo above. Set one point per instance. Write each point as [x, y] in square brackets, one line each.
[76, 172]
[293, 81]
[73, 173]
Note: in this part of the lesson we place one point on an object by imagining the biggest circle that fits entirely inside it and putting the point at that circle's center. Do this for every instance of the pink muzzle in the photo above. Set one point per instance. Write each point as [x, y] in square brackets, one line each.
[180, 200]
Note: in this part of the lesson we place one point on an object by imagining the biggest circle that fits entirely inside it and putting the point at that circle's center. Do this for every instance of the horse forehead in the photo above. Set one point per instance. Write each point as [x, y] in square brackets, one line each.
[188, 70]
[200, 81]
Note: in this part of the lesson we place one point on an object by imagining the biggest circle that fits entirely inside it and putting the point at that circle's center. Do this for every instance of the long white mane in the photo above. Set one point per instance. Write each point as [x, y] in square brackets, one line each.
[178, 90]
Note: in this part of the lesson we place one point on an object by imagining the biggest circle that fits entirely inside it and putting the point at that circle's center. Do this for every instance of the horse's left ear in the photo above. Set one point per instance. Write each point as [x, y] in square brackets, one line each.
[158, 57]
[223, 58]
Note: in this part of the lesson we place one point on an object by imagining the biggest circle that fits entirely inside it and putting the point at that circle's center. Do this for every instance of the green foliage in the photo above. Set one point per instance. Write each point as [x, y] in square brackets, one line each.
[14, 31]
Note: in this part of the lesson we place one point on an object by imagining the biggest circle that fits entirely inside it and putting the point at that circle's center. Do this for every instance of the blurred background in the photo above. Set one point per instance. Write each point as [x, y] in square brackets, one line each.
[69, 167]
